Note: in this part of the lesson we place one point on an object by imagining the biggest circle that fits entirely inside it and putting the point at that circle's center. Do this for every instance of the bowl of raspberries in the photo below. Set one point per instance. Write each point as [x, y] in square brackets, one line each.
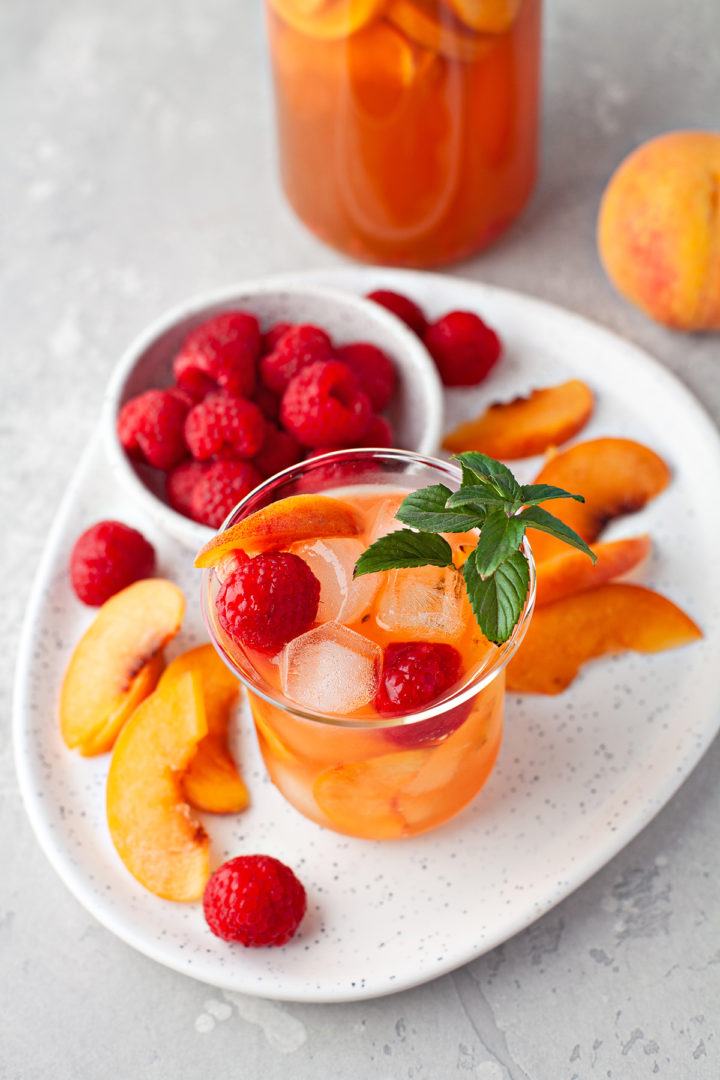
[227, 390]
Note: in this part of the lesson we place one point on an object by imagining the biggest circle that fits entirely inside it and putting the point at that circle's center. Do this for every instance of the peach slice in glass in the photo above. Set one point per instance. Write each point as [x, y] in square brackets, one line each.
[299, 517]
[150, 822]
[616, 476]
[419, 21]
[211, 781]
[526, 426]
[361, 798]
[609, 619]
[485, 16]
[117, 663]
[382, 65]
[571, 571]
[327, 19]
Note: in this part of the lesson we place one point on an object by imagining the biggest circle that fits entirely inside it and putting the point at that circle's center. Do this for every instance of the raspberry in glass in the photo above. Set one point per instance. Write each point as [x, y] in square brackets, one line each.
[414, 674]
[268, 601]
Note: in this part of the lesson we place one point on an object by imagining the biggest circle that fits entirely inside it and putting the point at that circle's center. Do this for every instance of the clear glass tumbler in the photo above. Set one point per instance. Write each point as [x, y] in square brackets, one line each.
[331, 754]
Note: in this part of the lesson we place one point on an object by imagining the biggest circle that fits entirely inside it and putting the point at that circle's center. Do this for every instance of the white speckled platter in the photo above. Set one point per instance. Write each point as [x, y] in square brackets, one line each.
[578, 776]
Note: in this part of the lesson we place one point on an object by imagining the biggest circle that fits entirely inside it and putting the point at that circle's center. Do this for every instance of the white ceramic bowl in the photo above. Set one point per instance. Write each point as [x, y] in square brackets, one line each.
[415, 411]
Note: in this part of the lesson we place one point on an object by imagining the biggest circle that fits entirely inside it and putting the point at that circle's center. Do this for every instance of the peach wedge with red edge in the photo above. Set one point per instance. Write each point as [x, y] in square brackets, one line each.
[117, 663]
[299, 517]
[211, 781]
[149, 820]
[571, 571]
[609, 619]
[526, 426]
[615, 476]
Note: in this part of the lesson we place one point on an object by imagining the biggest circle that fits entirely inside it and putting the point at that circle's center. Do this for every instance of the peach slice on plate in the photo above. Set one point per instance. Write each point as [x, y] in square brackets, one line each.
[616, 476]
[117, 663]
[299, 517]
[526, 426]
[211, 781]
[609, 619]
[327, 19]
[571, 571]
[150, 822]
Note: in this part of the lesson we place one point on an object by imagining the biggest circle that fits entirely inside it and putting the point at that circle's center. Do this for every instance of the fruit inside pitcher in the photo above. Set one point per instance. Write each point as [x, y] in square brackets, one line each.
[407, 129]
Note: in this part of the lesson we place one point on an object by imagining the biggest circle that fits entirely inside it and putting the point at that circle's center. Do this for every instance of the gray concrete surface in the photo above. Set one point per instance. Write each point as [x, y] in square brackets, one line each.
[137, 168]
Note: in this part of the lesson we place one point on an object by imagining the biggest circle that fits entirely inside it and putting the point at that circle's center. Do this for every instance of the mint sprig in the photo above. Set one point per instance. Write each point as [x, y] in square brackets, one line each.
[490, 499]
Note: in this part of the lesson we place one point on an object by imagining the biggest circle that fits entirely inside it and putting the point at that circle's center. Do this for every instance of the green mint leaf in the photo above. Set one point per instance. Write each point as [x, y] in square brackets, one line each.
[480, 497]
[500, 537]
[425, 509]
[498, 600]
[486, 470]
[537, 518]
[532, 494]
[398, 550]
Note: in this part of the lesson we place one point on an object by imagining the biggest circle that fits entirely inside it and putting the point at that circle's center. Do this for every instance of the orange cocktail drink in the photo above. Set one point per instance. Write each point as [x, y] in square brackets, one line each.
[407, 129]
[341, 750]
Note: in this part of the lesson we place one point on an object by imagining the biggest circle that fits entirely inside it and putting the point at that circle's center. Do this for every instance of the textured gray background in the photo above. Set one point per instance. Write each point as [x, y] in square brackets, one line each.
[137, 169]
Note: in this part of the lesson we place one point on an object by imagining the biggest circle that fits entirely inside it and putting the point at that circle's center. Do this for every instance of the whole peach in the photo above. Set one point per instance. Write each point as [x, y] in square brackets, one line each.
[659, 229]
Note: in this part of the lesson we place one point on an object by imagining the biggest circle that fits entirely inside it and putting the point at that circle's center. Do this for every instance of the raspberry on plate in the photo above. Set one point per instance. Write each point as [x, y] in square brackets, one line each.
[325, 404]
[150, 428]
[374, 369]
[254, 900]
[268, 601]
[463, 347]
[414, 674]
[223, 350]
[218, 489]
[298, 347]
[106, 558]
[224, 426]
[403, 307]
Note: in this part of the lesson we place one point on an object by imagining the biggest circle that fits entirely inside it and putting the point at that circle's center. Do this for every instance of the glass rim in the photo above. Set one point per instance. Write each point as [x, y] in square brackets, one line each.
[486, 675]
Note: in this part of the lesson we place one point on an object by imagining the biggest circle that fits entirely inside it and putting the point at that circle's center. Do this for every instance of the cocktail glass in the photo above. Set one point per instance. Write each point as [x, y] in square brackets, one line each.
[331, 754]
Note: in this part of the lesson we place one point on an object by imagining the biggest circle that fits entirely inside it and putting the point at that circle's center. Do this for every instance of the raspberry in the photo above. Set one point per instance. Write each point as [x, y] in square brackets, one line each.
[224, 426]
[108, 557]
[254, 900]
[272, 336]
[219, 488]
[267, 402]
[150, 428]
[324, 404]
[402, 307]
[278, 451]
[298, 347]
[225, 350]
[269, 601]
[180, 484]
[414, 674]
[463, 348]
[374, 369]
[379, 433]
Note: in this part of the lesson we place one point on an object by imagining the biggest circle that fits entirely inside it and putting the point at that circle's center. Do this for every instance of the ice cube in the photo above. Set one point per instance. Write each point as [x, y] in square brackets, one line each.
[426, 602]
[332, 562]
[385, 521]
[331, 669]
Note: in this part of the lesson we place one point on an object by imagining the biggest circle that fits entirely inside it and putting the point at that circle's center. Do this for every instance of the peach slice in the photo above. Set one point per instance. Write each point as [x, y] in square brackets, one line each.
[487, 16]
[419, 21]
[571, 571]
[299, 517]
[616, 476]
[526, 426]
[327, 19]
[211, 781]
[150, 823]
[117, 663]
[360, 798]
[609, 619]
